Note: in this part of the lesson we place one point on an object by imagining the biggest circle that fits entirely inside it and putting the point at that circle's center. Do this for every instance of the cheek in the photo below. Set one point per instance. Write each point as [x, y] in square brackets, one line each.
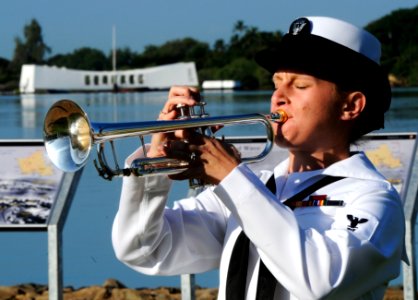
[298, 129]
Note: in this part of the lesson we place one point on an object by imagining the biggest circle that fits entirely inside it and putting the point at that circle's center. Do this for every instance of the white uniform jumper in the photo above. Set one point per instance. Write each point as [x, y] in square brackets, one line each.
[332, 252]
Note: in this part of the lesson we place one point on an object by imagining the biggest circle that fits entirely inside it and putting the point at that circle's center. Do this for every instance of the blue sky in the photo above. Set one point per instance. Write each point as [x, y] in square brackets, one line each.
[69, 25]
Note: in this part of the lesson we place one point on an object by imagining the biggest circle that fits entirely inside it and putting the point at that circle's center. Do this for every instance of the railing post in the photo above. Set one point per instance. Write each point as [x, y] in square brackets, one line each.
[410, 209]
[55, 282]
[188, 287]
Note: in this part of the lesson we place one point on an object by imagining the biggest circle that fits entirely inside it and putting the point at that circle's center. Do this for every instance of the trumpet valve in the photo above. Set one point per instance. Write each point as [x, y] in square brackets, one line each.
[191, 112]
[183, 111]
[202, 112]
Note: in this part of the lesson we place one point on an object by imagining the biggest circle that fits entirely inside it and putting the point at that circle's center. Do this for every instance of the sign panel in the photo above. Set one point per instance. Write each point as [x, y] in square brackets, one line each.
[392, 154]
[29, 184]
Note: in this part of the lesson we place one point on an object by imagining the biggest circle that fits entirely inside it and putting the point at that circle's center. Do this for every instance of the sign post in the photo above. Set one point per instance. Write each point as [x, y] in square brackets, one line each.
[36, 196]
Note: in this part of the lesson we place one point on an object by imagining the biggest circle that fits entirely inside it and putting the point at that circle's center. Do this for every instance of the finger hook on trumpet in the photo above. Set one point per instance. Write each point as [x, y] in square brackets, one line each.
[69, 137]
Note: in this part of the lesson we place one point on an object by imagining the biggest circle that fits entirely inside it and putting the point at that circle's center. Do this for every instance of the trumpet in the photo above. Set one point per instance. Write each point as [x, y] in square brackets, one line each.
[69, 137]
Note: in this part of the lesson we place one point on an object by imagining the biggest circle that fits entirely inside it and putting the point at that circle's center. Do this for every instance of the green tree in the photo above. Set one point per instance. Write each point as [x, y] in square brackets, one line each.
[243, 70]
[32, 49]
[217, 57]
[84, 59]
[398, 33]
[238, 30]
[4, 74]
[186, 49]
[406, 66]
[126, 58]
[236, 59]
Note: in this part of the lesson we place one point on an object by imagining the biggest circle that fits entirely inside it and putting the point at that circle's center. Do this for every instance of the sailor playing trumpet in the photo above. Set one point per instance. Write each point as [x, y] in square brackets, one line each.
[323, 224]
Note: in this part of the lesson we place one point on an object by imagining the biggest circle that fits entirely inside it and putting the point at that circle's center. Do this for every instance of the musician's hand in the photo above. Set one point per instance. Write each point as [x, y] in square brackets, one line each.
[210, 159]
[177, 95]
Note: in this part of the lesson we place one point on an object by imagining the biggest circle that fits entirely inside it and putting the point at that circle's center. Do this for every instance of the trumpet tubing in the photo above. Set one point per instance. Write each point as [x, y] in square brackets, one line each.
[69, 137]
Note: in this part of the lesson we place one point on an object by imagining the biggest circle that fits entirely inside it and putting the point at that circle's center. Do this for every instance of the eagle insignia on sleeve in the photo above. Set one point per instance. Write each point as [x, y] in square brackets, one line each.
[354, 221]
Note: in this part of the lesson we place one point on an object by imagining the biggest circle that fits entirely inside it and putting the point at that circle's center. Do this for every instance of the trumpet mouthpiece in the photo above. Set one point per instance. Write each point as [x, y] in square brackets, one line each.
[280, 116]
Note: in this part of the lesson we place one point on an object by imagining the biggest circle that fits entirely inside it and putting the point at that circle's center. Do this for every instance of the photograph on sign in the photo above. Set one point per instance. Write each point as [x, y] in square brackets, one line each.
[29, 184]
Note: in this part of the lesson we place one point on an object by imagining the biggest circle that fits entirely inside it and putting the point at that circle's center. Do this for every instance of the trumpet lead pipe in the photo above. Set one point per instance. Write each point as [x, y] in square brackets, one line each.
[108, 131]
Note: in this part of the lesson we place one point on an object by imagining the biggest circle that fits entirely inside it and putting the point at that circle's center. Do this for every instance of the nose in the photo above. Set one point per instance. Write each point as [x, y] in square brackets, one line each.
[279, 96]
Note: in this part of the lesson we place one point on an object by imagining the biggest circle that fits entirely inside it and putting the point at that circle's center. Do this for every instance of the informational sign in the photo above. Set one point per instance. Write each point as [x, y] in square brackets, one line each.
[29, 184]
[392, 155]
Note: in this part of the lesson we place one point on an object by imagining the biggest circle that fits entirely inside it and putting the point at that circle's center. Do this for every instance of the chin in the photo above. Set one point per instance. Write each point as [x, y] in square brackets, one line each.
[281, 141]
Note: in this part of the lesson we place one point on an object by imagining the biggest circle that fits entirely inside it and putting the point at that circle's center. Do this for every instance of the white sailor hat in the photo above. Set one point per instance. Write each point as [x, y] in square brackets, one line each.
[337, 51]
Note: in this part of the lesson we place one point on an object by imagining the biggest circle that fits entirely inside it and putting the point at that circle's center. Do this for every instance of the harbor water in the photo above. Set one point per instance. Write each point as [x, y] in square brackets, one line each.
[88, 258]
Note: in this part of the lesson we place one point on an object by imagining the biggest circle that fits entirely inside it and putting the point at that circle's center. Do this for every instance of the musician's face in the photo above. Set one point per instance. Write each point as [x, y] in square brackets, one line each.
[314, 110]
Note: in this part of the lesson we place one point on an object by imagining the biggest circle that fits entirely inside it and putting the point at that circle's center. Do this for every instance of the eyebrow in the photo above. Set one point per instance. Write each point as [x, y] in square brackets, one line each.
[293, 76]
[276, 77]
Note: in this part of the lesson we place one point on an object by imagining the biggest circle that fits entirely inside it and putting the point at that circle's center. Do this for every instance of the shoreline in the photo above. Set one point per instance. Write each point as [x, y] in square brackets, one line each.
[113, 289]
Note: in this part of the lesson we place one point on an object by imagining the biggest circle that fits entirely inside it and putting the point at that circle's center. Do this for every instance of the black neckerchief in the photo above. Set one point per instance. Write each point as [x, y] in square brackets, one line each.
[238, 265]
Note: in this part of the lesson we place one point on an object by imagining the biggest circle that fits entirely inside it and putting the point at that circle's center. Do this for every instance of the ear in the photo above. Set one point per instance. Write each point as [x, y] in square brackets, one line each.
[353, 105]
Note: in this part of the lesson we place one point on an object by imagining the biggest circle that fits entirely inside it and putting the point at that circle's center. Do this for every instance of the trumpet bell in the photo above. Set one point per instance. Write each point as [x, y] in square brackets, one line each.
[67, 135]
